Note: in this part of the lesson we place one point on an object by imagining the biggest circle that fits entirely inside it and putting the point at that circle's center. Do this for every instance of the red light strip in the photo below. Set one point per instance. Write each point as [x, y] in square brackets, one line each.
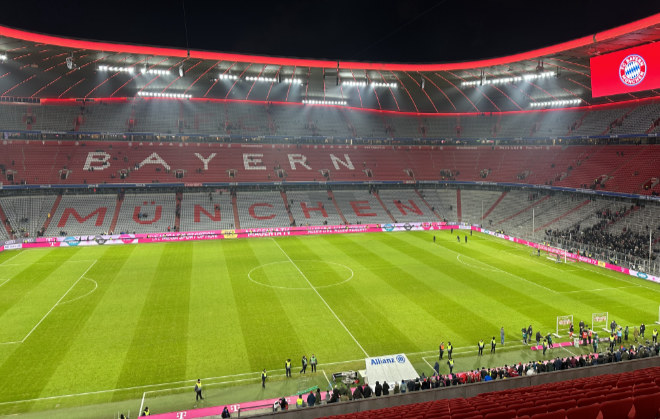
[374, 90]
[633, 102]
[479, 89]
[459, 90]
[423, 90]
[153, 79]
[236, 81]
[293, 77]
[71, 87]
[502, 92]
[18, 84]
[255, 82]
[218, 56]
[180, 63]
[392, 93]
[404, 88]
[277, 75]
[358, 90]
[107, 79]
[202, 75]
[439, 89]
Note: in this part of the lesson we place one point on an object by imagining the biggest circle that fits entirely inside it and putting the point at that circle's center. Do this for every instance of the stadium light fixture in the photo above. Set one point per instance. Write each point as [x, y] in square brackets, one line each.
[261, 79]
[165, 95]
[227, 76]
[129, 70]
[380, 84]
[292, 81]
[3, 57]
[507, 80]
[354, 83]
[155, 72]
[324, 102]
[555, 103]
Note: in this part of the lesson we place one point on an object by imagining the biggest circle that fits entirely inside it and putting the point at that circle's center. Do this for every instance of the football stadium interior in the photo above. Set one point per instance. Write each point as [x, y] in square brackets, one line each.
[386, 219]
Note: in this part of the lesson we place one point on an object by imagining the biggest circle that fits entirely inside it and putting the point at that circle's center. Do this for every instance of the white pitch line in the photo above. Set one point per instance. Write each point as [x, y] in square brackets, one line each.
[326, 378]
[501, 270]
[11, 258]
[142, 404]
[606, 272]
[600, 289]
[427, 363]
[566, 349]
[322, 299]
[206, 385]
[58, 301]
[96, 285]
[464, 347]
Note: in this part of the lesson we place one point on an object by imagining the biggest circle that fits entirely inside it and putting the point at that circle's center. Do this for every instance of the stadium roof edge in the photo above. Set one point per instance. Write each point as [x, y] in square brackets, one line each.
[288, 61]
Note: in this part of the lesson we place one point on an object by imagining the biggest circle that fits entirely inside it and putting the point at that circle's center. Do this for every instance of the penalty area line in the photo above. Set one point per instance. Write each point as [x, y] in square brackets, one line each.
[58, 301]
[321, 297]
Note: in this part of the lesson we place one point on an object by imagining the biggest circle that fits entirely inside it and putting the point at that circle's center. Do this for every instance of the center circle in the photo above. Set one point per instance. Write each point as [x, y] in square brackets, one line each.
[299, 274]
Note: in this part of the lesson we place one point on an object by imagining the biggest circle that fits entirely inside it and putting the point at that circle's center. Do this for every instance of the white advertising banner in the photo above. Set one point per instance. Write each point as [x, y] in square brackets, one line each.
[390, 368]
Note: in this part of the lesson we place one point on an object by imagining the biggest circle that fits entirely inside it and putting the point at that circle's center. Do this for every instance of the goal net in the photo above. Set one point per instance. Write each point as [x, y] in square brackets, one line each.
[600, 321]
[563, 325]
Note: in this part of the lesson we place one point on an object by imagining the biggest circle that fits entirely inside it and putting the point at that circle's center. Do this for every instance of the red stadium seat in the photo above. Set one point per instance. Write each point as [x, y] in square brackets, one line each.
[583, 412]
[645, 406]
[557, 414]
[507, 414]
[616, 409]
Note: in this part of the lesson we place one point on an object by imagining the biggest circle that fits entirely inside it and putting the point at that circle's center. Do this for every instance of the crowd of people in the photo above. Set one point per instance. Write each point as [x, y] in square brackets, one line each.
[627, 242]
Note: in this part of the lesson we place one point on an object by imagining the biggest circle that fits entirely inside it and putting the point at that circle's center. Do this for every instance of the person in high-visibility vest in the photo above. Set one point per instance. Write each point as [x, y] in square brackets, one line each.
[545, 346]
[146, 411]
[492, 345]
[263, 378]
[481, 347]
[449, 350]
[313, 362]
[198, 390]
[655, 335]
[442, 349]
[451, 365]
[299, 402]
[287, 366]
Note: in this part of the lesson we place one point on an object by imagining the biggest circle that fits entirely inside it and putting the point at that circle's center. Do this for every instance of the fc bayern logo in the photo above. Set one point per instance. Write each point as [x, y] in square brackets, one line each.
[632, 70]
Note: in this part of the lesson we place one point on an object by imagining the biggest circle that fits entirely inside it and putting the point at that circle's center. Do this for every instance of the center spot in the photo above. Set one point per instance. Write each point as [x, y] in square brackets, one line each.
[288, 275]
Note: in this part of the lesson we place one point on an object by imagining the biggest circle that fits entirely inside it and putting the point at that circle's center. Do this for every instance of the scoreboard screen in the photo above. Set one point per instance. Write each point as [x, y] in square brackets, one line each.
[630, 70]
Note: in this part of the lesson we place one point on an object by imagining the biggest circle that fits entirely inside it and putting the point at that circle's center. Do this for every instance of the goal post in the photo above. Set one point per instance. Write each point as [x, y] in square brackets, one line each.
[658, 322]
[563, 325]
[600, 321]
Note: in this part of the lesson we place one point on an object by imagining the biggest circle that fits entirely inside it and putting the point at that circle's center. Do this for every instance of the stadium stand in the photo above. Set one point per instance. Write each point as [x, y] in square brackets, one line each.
[313, 208]
[27, 214]
[634, 394]
[361, 207]
[266, 119]
[82, 215]
[607, 168]
[146, 213]
[406, 205]
[262, 210]
[206, 211]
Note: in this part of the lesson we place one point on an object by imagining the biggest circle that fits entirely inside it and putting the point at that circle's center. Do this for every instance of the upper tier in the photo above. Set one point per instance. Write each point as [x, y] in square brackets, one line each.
[620, 168]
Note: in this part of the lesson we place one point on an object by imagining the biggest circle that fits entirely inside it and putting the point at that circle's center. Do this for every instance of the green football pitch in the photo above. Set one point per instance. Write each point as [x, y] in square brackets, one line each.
[92, 331]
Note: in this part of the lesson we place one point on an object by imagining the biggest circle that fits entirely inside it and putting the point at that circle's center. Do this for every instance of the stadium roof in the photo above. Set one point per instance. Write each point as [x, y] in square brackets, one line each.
[37, 66]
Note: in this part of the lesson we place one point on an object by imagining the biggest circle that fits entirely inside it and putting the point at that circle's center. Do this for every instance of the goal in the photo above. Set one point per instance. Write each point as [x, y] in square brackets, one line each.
[600, 320]
[563, 324]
